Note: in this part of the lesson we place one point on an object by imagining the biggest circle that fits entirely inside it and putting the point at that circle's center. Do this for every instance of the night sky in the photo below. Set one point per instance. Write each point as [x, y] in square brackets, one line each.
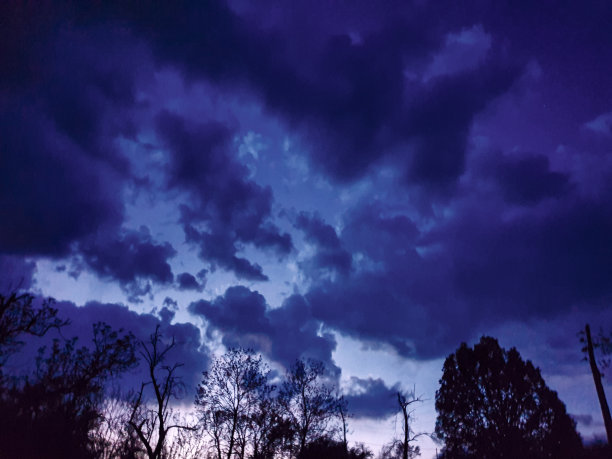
[368, 183]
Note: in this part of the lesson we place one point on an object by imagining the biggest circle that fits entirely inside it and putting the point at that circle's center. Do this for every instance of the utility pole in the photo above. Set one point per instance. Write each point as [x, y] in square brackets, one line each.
[605, 410]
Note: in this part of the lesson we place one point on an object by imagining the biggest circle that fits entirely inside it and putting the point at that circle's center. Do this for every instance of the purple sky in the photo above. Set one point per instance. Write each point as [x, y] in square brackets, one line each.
[359, 182]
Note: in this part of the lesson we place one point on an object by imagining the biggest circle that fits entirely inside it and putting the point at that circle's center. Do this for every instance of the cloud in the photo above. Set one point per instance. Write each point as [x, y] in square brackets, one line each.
[440, 118]
[463, 50]
[424, 288]
[187, 281]
[601, 125]
[584, 419]
[53, 193]
[528, 179]
[371, 398]
[282, 334]
[346, 92]
[69, 97]
[234, 209]
[329, 255]
[17, 273]
[130, 258]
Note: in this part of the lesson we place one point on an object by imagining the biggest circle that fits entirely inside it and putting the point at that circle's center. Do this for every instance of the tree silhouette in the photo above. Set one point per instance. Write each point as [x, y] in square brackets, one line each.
[603, 342]
[228, 399]
[308, 403]
[59, 404]
[19, 316]
[492, 404]
[152, 421]
[405, 401]
[328, 448]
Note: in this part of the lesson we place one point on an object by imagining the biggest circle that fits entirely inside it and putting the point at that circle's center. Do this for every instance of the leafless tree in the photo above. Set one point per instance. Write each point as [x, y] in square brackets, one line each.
[308, 403]
[153, 420]
[405, 401]
[228, 397]
[343, 413]
[19, 316]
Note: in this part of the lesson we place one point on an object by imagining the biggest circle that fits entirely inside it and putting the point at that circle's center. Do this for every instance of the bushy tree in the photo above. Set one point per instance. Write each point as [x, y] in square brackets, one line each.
[58, 405]
[492, 404]
[328, 448]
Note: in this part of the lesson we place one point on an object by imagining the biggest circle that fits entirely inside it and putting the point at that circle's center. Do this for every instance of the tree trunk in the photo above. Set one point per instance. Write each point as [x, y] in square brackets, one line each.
[605, 410]
[402, 403]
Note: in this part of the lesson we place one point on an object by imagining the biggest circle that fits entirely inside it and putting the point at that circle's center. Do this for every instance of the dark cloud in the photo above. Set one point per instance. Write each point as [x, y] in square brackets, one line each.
[131, 258]
[584, 419]
[234, 208]
[532, 264]
[440, 117]
[330, 256]
[67, 96]
[17, 273]
[352, 86]
[187, 281]
[424, 291]
[394, 295]
[527, 180]
[52, 193]
[282, 334]
[371, 398]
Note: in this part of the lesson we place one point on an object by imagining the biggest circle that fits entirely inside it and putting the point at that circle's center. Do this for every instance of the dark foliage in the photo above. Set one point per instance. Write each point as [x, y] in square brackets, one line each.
[597, 450]
[492, 404]
[328, 448]
[51, 413]
[18, 317]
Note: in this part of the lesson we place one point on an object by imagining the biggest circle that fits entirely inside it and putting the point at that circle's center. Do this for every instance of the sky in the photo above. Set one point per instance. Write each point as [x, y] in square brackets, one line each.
[365, 183]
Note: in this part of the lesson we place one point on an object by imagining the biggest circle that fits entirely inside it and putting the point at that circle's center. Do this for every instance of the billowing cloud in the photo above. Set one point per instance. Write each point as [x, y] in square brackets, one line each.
[134, 255]
[282, 334]
[329, 256]
[53, 192]
[528, 179]
[233, 208]
[424, 290]
[187, 281]
[371, 398]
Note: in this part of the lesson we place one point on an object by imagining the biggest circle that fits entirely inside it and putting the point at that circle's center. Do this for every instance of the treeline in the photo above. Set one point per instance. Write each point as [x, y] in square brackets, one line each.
[67, 406]
[490, 404]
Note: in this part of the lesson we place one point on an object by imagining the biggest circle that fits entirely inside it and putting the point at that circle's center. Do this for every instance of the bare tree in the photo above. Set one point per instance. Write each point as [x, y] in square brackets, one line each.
[271, 432]
[187, 443]
[19, 316]
[113, 437]
[227, 399]
[343, 414]
[405, 401]
[308, 402]
[152, 421]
